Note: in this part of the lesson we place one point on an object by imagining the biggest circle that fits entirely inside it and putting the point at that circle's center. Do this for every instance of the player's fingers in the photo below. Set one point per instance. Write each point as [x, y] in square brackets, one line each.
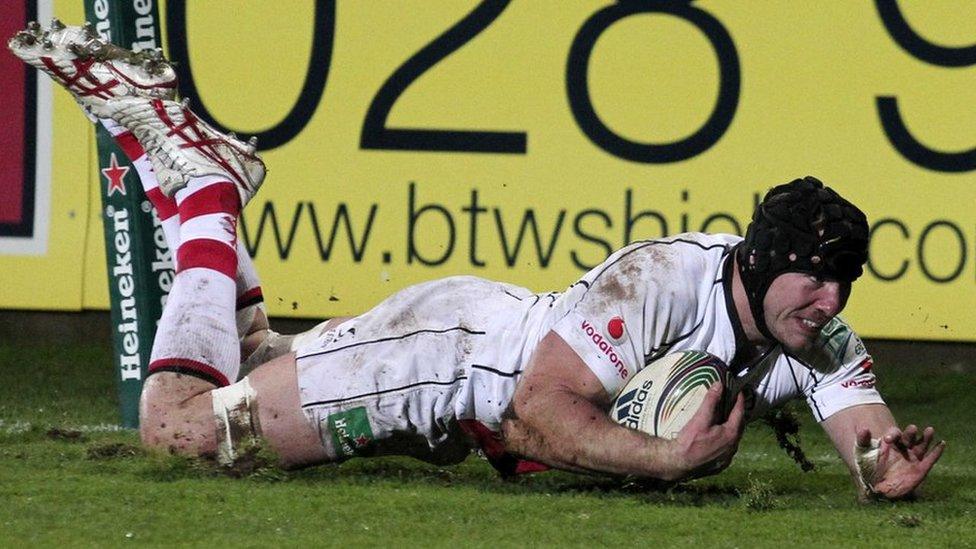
[892, 435]
[736, 422]
[883, 450]
[705, 415]
[910, 434]
[863, 439]
[922, 445]
[929, 460]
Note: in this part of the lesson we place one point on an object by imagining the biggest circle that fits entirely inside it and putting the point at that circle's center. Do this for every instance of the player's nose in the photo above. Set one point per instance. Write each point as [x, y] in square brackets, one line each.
[832, 298]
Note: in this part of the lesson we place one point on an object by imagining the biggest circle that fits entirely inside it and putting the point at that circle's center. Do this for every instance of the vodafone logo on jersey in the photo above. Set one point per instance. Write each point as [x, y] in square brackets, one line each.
[605, 347]
[859, 382]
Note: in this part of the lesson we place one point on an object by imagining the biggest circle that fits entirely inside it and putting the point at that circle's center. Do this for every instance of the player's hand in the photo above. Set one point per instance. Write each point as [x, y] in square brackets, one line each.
[904, 459]
[703, 447]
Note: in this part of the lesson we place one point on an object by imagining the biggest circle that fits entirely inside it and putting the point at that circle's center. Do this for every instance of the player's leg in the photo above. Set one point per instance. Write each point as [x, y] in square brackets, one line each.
[190, 402]
[93, 72]
[209, 176]
[186, 415]
[365, 386]
[195, 338]
[190, 416]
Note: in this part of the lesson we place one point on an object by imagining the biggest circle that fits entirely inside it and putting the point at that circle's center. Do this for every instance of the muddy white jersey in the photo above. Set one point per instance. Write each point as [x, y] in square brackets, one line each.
[456, 348]
[674, 294]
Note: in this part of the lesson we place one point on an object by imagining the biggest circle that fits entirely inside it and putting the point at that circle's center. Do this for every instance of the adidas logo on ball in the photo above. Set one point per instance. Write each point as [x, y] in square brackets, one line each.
[662, 397]
[630, 405]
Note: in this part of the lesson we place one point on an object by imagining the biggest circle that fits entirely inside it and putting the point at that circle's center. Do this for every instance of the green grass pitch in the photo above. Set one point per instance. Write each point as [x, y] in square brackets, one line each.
[68, 478]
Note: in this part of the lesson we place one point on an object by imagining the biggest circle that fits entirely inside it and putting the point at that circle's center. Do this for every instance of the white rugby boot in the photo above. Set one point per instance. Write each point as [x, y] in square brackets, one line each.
[92, 70]
[180, 146]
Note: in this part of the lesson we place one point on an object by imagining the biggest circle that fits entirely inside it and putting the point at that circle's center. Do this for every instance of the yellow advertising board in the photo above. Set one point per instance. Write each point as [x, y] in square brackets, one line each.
[524, 141]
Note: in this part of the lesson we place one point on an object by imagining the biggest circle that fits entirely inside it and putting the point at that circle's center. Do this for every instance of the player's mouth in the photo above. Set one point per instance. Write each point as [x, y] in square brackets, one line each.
[811, 327]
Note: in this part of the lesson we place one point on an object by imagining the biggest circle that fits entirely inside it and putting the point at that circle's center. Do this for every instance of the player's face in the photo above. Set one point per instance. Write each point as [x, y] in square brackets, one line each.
[798, 305]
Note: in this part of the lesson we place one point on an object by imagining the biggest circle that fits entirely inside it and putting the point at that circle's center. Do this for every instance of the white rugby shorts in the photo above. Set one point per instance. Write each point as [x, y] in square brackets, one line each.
[397, 379]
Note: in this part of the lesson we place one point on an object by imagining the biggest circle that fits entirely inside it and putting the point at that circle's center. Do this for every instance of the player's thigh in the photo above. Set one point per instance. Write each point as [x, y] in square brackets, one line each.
[284, 426]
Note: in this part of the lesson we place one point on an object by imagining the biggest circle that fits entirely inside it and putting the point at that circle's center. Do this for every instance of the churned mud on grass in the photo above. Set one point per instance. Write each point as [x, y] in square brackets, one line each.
[387, 469]
[474, 473]
[256, 461]
[650, 491]
[696, 494]
[907, 521]
[113, 450]
[66, 435]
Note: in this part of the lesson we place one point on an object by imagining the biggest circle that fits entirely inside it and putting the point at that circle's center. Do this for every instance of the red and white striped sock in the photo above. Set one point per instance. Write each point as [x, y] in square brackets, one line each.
[197, 334]
[249, 294]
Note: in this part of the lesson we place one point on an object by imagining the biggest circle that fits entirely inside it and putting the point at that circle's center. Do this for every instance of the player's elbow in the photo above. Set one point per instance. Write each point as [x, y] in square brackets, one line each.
[536, 404]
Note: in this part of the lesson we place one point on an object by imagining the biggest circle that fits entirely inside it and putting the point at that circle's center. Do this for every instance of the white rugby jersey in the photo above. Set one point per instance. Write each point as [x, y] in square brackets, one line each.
[674, 294]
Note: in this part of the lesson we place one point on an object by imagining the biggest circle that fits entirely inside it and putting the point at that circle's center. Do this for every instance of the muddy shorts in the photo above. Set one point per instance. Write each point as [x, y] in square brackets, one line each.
[388, 382]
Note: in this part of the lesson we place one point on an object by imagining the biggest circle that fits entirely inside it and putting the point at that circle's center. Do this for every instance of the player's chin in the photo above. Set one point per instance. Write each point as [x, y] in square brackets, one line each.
[798, 339]
[798, 345]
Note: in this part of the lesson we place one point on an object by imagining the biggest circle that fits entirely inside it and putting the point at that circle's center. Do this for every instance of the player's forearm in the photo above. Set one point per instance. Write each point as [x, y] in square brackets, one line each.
[842, 428]
[565, 431]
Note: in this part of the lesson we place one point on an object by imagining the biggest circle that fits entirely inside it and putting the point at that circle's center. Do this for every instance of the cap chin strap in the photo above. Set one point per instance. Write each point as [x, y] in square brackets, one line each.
[756, 300]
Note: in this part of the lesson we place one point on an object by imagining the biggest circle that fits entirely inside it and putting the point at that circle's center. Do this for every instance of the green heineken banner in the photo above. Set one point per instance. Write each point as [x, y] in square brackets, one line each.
[140, 266]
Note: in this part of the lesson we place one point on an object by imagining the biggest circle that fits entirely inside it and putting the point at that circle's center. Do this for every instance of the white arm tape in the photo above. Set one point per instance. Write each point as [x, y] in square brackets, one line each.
[866, 459]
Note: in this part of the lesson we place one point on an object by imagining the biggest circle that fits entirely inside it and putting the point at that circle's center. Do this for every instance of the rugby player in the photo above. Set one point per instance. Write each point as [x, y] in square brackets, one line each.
[443, 367]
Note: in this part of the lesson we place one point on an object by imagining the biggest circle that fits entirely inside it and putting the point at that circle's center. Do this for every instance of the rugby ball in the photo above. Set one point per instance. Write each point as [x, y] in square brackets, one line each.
[662, 397]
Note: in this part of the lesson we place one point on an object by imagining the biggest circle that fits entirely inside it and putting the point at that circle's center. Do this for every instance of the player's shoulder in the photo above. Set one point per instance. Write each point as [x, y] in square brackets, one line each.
[678, 267]
[685, 250]
[693, 256]
[838, 346]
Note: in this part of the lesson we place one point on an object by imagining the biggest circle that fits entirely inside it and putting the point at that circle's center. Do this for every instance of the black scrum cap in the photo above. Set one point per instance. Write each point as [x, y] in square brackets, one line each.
[801, 226]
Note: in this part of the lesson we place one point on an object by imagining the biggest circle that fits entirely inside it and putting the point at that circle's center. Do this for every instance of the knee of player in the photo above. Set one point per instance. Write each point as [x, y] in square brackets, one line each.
[176, 423]
[152, 432]
[158, 431]
[152, 419]
[162, 429]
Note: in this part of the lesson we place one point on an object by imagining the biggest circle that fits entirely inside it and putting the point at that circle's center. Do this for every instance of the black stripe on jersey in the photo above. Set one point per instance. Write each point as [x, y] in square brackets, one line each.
[813, 389]
[645, 243]
[383, 392]
[656, 353]
[665, 346]
[510, 294]
[394, 338]
[724, 274]
[494, 371]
